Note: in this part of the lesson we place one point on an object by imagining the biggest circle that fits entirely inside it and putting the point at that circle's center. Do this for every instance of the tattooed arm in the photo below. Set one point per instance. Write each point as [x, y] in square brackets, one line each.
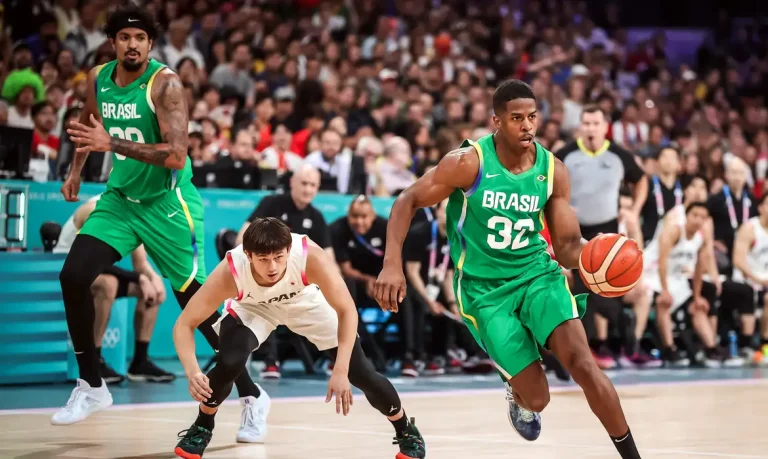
[171, 110]
[173, 118]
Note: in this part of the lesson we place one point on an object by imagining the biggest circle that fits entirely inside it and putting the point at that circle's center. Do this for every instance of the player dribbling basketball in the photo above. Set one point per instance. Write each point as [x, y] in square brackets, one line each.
[279, 278]
[511, 294]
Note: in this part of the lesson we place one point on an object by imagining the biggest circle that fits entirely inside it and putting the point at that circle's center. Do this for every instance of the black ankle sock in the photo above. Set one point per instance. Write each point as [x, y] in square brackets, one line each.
[744, 341]
[89, 368]
[401, 424]
[625, 445]
[98, 352]
[140, 352]
[205, 420]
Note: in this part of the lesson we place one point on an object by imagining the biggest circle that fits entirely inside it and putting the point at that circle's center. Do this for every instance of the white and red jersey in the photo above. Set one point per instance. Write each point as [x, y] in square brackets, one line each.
[292, 301]
[757, 257]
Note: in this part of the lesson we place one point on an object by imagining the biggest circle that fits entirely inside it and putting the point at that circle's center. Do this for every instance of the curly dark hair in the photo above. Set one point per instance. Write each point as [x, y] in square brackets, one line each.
[130, 16]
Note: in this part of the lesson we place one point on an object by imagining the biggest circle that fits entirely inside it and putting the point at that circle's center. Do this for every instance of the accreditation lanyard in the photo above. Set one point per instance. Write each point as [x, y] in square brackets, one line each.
[660, 197]
[745, 204]
[437, 276]
[368, 245]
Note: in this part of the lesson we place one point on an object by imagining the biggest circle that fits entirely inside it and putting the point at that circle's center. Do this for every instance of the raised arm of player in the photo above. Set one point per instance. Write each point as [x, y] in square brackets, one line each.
[219, 287]
[563, 225]
[335, 291]
[172, 116]
[458, 169]
[71, 187]
[745, 237]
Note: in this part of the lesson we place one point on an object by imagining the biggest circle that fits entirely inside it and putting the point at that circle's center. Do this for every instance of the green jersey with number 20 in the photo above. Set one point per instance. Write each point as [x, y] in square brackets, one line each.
[129, 113]
[494, 227]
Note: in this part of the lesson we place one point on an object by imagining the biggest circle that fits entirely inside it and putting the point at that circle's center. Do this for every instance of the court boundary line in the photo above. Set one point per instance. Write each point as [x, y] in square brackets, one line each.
[511, 440]
[573, 387]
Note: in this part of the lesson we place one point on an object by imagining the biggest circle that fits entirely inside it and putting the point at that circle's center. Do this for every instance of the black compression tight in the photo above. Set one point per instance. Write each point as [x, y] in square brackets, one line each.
[381, 394]
[87, 258]
[243, 381]
[235, 345]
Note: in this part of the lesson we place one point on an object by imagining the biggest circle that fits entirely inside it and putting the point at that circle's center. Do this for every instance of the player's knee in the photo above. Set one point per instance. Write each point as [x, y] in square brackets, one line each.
[538, 401]
[105, 286]
[231, 362]
[582, 367]
[72, 277]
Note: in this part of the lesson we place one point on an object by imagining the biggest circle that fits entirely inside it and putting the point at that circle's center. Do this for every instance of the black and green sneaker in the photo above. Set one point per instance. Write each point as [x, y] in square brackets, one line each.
[411, 443]
[193, 442]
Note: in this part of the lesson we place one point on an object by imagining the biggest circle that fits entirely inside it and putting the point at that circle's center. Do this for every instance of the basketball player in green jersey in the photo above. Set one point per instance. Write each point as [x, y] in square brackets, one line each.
[510, 293]
[136, 110]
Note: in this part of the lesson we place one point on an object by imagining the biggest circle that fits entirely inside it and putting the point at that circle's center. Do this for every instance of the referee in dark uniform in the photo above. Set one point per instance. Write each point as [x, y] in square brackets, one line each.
[295, 209]
[598, 168]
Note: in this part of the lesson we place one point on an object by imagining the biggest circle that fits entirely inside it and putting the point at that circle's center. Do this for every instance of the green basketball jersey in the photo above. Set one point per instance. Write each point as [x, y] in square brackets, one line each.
[129, 113]
[493, 228]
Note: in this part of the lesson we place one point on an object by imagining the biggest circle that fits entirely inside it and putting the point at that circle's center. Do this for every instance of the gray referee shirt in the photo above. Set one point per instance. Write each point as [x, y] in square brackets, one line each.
[596, 179]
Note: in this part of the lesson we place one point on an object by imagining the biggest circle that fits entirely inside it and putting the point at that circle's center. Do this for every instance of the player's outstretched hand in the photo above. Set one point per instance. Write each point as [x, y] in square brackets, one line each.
[71, 188]
[199, 388]
[90, 138]
[389, 290]
[339, 385]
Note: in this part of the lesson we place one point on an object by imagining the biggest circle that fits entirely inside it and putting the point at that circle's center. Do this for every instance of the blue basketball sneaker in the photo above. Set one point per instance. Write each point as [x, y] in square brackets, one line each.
[526, 423]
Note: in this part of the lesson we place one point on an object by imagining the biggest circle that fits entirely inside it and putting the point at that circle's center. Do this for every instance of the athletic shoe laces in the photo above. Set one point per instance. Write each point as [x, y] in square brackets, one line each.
[252, 416]
[75, 399]
[194, 436]
[525, 415]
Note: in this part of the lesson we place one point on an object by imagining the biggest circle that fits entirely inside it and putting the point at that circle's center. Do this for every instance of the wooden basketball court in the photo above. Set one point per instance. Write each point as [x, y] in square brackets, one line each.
[696, 420]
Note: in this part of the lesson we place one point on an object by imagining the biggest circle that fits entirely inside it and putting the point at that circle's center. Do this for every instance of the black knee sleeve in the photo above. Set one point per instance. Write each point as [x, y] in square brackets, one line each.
[235, 345]
[381, 394]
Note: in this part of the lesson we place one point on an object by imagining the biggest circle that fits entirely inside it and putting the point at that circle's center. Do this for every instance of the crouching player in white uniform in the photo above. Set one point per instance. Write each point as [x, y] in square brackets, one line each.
[750, 261]
[684, 249]
[279, 278]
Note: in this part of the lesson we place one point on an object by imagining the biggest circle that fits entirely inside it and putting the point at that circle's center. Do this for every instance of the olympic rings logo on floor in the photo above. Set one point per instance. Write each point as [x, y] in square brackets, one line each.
[111, 338]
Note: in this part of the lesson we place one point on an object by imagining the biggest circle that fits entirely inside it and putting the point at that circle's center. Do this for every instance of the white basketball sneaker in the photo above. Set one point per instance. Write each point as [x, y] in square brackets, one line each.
[84, 401]
[253, 420]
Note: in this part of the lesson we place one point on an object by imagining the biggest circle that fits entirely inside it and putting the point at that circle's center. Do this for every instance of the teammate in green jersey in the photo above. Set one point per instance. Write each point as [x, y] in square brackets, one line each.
[135, 109]
[510, 293]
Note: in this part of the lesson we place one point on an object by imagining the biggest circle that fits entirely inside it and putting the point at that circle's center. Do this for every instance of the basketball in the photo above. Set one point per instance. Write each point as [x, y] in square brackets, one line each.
[610, 265]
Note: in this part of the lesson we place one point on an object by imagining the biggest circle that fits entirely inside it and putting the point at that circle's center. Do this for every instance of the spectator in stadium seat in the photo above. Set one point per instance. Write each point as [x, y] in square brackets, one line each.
[277, 156]
[343, 173]
[178, 44]
[392, 173]
[629, 131]
[20, 113]
[359, 242]
[45, 144]
[295, 209]
[237, 73]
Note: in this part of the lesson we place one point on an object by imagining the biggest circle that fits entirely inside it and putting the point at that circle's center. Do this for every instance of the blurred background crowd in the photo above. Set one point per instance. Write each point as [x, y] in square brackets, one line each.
[362, 97]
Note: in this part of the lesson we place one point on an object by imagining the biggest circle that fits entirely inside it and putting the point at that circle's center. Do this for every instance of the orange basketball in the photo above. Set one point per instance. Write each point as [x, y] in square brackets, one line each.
[610, 265]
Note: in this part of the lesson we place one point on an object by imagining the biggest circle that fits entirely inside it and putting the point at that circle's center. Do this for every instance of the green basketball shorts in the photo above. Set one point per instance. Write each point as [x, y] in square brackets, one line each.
[508, 318]
[170, 227]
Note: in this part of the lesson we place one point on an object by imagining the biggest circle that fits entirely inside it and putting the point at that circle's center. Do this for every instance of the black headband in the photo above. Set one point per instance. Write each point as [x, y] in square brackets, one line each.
[128, 21]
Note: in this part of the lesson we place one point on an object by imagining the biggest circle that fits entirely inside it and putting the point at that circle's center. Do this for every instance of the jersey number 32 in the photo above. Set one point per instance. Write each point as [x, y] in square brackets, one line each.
[502, 238]
[131, 133]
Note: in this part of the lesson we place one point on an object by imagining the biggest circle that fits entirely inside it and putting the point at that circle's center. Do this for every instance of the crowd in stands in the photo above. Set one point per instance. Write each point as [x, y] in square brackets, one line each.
[362, 97]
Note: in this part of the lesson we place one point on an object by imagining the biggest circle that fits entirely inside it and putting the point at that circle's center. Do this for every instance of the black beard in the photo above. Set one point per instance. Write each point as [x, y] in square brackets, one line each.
[132, 66]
